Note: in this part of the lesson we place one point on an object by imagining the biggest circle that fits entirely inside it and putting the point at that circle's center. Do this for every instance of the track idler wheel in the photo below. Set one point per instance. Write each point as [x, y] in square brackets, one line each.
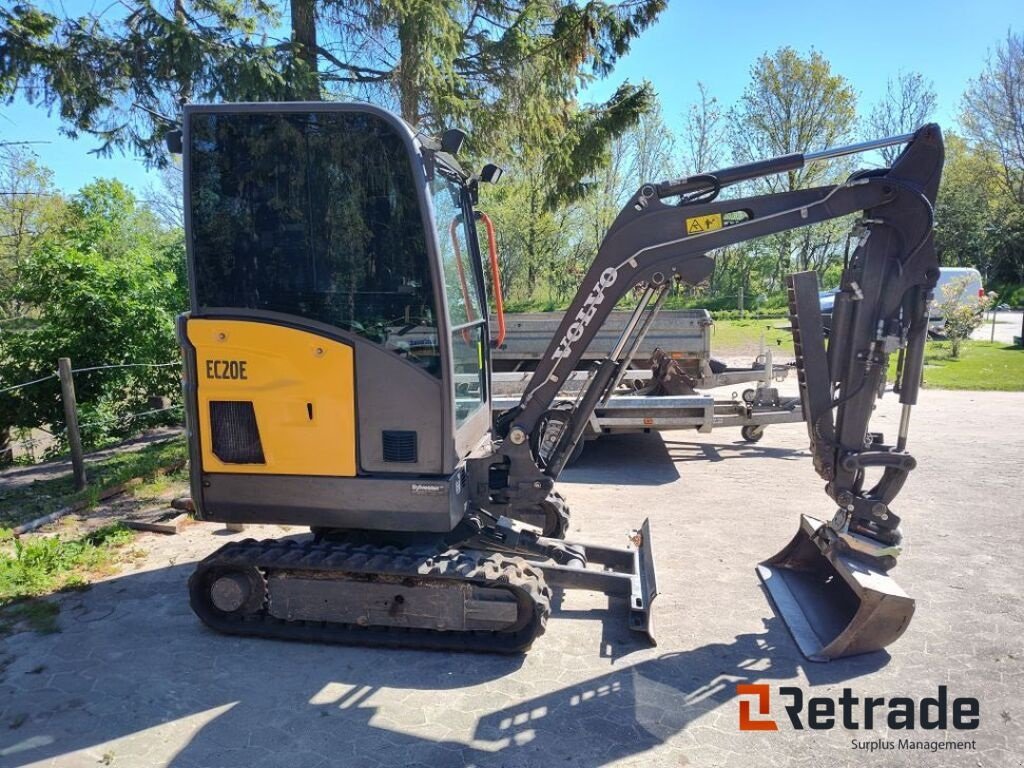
[237, 590]
[834, 602]
[550, 515]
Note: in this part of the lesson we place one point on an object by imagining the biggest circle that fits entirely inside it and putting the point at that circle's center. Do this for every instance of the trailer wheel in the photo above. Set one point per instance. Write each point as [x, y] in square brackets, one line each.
[752, 433]
[576, 452]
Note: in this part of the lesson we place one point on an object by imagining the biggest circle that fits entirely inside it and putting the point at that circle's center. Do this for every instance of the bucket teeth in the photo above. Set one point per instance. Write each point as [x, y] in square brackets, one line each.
[833, 604]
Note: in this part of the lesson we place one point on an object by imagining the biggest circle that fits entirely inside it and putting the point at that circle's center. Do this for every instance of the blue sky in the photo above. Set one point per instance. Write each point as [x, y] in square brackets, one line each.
[867, 42]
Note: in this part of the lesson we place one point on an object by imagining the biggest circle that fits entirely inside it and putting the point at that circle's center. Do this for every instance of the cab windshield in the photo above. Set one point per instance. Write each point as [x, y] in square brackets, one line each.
[312, 214]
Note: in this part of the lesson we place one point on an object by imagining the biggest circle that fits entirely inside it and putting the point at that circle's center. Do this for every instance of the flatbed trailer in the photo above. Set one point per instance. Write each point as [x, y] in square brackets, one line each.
[685, 335]
[626, 412]
[682, 336]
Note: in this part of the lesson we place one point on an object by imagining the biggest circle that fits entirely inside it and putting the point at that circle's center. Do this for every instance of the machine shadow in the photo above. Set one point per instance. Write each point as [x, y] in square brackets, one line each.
[601, 461]
[681, 451]
[270, 703]
[636, 708]
[130, 656]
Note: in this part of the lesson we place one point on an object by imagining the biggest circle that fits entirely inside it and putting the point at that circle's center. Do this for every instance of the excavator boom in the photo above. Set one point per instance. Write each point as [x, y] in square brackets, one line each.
[667, 231]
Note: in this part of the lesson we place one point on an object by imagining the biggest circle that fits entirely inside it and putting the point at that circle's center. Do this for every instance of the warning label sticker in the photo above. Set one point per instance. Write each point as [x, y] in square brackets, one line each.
[705, 223]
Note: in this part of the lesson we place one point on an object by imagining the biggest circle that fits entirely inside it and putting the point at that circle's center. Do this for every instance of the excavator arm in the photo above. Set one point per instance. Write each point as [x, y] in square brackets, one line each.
[665, 233]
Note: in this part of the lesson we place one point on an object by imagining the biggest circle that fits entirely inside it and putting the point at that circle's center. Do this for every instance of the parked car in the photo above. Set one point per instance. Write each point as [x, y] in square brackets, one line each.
[971, 293]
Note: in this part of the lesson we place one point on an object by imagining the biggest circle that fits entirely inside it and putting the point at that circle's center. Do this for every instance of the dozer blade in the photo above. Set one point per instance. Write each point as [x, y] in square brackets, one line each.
[628, 573]
[834, 605]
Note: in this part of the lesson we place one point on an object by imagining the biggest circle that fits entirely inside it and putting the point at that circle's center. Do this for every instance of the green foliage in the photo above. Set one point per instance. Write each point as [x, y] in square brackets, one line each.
[120, 73]
[43, 565]
[792, 103]
[962, 313]
[977, 224]
[105, 292]
[1008, 293]
[992, 114]
[511, 70]
[29, 209]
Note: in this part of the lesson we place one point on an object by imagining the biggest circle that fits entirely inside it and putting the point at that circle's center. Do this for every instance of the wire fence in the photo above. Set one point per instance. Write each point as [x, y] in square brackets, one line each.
[71, 431]
[27, 384]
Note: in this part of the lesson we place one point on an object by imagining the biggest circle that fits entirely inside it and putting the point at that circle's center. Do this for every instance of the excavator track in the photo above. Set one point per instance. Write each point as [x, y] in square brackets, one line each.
[359, 594]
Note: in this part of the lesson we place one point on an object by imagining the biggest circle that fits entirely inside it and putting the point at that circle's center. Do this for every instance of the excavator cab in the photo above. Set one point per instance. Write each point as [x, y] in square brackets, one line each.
[337, 341]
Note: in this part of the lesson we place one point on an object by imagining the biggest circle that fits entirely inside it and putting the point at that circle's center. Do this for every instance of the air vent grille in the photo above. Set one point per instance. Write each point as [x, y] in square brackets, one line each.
[399, 445]
[236, 436]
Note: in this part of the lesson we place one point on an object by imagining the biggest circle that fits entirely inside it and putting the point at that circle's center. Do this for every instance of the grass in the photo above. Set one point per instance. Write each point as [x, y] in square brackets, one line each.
[982, 366]
[27, 502]
[39, 566]
[730, 335]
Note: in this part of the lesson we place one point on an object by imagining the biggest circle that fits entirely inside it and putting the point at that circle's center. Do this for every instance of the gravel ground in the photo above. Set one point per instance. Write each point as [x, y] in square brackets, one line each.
[133, 679]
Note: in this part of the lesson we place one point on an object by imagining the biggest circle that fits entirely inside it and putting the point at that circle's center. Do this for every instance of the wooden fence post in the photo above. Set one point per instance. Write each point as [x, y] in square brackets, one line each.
[67, 394]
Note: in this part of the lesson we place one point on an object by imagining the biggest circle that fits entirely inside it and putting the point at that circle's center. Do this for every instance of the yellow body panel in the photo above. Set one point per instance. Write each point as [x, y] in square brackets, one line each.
[302, 387]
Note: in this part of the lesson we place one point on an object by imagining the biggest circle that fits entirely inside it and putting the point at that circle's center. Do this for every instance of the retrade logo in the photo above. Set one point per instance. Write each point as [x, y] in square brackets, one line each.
[940, 712]
[762, 692]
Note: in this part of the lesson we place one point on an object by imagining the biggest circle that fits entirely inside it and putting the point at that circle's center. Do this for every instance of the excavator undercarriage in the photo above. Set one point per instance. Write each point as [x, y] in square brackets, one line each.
[336, 275]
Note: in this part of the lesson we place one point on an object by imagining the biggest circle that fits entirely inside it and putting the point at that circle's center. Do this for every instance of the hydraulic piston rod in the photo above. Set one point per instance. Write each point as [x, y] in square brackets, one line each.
[781, 164]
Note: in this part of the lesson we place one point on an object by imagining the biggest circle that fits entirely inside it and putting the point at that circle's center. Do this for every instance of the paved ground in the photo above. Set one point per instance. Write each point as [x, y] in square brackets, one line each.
[133, 679]
[16, 476]
[1008, 325]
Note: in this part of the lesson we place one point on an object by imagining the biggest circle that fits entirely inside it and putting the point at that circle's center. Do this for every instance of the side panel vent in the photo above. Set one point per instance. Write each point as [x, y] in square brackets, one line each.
[236, 437]
[399, 445]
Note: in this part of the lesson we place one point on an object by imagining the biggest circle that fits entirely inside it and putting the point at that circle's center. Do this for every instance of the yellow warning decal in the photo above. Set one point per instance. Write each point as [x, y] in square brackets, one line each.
[706, 223]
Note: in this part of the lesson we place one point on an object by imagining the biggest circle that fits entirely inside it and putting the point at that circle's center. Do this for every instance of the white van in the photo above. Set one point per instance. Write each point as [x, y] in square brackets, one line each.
[970, 295]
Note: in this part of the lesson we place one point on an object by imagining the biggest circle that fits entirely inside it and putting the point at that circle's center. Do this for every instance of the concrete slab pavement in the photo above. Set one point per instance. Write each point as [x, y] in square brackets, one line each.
[133, 678]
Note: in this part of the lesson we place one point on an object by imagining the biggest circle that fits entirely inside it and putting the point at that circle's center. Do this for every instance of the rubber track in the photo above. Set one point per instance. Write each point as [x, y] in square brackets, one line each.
[492, 569]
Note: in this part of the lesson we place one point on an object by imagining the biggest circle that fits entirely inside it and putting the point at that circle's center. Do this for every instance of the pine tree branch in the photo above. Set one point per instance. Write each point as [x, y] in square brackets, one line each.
[360, 74]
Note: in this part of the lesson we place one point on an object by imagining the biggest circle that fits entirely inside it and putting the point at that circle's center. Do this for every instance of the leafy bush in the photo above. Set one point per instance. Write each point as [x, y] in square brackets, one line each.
[41, 565]
[961, 314]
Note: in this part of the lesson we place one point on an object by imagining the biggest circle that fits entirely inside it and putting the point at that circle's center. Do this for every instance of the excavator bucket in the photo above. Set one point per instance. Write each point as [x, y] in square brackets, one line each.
[833, 604]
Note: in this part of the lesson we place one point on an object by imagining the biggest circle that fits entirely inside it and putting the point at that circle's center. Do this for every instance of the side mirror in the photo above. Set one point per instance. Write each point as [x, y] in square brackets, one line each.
[491, 173]
[174, 142]
[452, 141]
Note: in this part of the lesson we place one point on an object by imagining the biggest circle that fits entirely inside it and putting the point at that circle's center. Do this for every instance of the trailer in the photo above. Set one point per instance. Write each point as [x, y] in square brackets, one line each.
[685, 335]
[658, 389]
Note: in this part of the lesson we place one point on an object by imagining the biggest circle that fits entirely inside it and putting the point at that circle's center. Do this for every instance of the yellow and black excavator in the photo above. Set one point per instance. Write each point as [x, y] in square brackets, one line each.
[337, 376]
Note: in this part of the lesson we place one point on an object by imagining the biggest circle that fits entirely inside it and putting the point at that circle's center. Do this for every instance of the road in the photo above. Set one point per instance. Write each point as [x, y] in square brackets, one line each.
[133, 679]
[1008, 325]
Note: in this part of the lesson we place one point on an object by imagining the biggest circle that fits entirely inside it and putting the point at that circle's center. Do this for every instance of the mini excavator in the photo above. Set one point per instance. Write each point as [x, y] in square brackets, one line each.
[337, 376]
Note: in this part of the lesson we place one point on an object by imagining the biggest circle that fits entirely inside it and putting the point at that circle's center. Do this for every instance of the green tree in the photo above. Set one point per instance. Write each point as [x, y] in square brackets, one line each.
[965, 209]
[992, 113]
[105, 292]
[509, 70]
[992, 116]
[29, 209]
[792, 103]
